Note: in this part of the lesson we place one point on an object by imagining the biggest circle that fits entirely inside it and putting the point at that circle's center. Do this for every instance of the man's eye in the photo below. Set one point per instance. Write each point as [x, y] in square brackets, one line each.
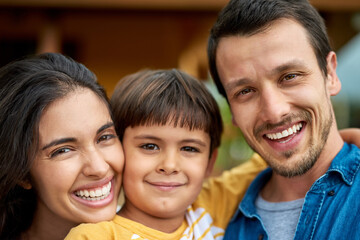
[244, 92]
[59, 151]
[289, 77]
[105, 137]
[189, 149]
[150, 146]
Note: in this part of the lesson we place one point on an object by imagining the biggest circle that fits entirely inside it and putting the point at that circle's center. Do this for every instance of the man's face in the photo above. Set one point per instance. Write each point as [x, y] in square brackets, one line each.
[278, 95]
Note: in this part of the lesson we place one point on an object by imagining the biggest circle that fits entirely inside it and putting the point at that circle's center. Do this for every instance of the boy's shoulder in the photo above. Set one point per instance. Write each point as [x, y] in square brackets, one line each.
[121, 228]
[106, 230]
[220, 196]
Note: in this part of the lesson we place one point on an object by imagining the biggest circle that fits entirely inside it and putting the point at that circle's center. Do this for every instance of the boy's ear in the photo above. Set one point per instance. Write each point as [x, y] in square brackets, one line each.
[211, 163]
[333, 82]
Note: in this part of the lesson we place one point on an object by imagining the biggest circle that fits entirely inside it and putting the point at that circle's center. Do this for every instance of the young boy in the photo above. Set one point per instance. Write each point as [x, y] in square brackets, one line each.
[170, 127]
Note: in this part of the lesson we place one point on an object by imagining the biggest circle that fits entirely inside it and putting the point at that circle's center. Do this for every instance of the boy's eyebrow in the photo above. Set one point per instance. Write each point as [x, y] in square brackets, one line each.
[196, 141]
[70, 139]
[146, 137]
[188, 140]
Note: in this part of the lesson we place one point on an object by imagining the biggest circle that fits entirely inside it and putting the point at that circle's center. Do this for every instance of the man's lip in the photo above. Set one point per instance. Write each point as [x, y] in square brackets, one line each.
[282, 128]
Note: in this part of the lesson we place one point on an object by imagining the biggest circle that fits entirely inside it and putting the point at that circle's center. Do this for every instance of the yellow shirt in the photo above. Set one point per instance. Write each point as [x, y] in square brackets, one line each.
[206, 218]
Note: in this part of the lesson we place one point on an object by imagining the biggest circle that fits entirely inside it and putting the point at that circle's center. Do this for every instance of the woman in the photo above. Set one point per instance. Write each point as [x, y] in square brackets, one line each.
[60, 158]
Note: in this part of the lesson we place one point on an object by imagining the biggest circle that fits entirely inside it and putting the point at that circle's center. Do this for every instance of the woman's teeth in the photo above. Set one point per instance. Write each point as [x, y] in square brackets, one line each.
[95, 194]
[285, 133]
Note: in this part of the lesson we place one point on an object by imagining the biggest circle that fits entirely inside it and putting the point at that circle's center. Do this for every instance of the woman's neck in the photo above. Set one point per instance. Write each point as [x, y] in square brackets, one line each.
[45, 226]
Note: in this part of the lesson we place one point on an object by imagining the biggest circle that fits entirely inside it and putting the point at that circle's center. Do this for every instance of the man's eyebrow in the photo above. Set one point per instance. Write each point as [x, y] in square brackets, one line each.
[58, 141]
[294, 64]
[236, 83]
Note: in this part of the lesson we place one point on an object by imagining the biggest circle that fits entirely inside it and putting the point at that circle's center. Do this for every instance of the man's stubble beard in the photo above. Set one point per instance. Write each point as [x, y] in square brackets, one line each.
[308, 158]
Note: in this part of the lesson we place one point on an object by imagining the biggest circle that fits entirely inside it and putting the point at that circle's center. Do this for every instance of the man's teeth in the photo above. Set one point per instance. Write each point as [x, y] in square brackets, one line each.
[94, 194]
[285, 133]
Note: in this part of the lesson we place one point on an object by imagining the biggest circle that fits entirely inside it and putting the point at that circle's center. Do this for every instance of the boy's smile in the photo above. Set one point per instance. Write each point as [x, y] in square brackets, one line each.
[164, 171]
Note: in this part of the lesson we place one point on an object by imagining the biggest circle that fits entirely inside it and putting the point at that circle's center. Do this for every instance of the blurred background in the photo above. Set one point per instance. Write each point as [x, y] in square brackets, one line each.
[118, 37]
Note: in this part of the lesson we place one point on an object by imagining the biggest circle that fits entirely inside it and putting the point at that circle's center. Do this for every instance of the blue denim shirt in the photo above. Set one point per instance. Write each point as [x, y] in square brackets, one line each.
[331, 208]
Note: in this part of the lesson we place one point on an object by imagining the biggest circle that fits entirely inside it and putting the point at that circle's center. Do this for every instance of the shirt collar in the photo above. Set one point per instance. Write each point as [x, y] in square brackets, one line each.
[346, 163]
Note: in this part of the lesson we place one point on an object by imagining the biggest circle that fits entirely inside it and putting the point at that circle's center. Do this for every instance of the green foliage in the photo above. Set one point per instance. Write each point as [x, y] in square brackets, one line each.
[234, 149]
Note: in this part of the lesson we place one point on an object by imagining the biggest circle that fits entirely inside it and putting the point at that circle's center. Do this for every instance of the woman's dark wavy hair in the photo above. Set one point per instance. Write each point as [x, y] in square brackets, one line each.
[159, 97]
[27, 86]
[249, 17]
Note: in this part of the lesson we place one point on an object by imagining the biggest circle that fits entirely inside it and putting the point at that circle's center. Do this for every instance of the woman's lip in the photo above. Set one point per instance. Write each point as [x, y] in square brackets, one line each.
[97, 184]
[97, 203]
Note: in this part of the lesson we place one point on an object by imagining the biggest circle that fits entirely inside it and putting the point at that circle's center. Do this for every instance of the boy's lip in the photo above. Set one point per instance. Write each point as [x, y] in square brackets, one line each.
[166, 186]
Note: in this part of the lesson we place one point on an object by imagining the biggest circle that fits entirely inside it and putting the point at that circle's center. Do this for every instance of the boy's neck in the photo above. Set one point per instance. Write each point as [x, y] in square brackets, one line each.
[166, 225]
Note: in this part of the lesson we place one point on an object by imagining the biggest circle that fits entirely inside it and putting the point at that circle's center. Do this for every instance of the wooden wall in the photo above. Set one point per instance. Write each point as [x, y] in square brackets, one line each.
[117, 37]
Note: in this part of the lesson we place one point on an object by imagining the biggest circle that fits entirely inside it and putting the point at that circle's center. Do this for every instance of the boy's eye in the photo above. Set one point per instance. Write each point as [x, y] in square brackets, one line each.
[150, 146]
[59, 151]
[189, 149]
[105, 137]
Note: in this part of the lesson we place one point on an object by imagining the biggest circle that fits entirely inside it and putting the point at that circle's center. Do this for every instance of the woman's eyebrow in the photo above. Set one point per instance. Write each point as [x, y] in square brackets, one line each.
[58, 141]
[105, 126]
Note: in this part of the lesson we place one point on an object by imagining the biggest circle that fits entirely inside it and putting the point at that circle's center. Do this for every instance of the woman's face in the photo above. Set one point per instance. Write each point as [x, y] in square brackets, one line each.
[78, 167]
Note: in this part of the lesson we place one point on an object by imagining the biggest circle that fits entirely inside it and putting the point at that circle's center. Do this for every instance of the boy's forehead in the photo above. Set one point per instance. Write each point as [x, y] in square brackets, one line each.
[170, 130]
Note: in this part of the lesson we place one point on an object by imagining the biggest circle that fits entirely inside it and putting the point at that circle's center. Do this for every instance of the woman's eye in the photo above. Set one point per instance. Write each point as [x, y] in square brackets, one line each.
[189, 149]
[105, 137]
[150, 146]
[59, 151]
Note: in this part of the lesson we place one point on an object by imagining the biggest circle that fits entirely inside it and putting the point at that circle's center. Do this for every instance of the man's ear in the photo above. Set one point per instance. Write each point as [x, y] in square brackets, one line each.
[211, 163]
[333, 82]
[25, 184]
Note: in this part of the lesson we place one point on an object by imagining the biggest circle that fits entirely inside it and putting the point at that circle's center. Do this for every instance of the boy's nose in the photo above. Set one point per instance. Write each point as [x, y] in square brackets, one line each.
[169, 164]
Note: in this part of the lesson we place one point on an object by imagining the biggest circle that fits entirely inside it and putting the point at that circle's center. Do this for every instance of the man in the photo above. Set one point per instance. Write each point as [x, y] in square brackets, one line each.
[272, 60]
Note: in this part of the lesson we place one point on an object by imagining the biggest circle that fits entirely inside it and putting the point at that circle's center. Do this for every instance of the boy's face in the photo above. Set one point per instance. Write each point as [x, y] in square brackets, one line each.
[164, 171]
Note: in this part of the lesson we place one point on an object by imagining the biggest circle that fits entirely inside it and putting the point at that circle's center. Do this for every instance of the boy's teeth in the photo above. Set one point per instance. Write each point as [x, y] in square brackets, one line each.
[95, 194]
[285, 133]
